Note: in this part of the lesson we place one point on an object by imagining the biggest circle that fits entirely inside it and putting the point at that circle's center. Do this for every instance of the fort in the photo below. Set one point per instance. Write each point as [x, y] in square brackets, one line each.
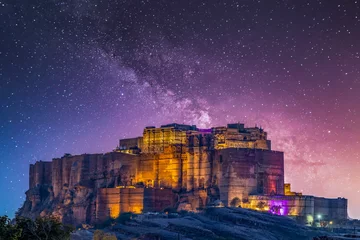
[174, 166]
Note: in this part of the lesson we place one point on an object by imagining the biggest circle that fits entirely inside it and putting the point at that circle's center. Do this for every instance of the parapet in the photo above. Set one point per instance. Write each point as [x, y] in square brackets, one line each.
[182, 127]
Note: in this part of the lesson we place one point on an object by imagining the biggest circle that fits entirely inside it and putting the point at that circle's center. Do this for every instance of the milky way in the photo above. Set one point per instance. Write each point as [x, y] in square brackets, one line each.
[75, 76]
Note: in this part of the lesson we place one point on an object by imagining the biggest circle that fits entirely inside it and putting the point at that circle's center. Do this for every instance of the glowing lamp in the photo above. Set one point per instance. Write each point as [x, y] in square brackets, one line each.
[282, 212]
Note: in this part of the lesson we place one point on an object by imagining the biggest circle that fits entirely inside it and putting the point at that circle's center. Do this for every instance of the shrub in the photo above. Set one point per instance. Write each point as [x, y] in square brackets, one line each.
[124, 217]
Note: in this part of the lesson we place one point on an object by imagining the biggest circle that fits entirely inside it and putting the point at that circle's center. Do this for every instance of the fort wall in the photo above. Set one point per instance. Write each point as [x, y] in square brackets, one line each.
[40, 174]
[111, 202]
[330, 208]
[243, 172]
[301, 206]
[307, 208]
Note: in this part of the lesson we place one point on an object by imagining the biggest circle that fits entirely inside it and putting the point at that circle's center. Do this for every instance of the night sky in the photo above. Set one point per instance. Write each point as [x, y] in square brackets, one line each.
[77, 75]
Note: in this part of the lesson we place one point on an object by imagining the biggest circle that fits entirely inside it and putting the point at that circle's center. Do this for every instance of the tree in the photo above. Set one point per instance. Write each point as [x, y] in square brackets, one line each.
[41, 229]
[7, 230]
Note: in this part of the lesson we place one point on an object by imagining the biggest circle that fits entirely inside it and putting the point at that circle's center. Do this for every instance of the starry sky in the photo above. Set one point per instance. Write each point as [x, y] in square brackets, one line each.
[77, 75]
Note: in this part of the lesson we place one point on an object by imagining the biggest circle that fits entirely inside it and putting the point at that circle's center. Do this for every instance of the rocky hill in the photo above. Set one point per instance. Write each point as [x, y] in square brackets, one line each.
[214, 223]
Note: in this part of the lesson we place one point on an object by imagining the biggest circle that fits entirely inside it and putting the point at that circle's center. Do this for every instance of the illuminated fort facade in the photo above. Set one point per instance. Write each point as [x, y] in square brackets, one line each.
[174, 166]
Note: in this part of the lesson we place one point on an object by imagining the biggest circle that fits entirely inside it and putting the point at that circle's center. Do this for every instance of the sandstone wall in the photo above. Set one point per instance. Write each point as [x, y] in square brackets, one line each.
[330, 209]
[270, 165]
[236, 174]
[158, 199]
[93, 170]
[131, 200]
[243, 172]
[40, 174]
[107, 203]
[155, 140]
[111, 202]
[61, 168]
[164, 169]
[198, 168]
[310, 208]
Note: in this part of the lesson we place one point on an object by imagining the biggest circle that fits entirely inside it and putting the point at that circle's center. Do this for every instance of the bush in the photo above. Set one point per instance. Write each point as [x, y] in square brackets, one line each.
[124, 217]
[183, 213]
[107, 223]
[100, 235]
[170, 210]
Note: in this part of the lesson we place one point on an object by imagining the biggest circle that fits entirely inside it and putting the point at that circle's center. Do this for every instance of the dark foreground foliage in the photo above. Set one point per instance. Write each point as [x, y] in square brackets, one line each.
[47, 228]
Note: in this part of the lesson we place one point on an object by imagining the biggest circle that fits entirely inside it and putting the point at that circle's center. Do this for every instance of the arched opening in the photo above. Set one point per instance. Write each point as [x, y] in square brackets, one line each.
[235, 202]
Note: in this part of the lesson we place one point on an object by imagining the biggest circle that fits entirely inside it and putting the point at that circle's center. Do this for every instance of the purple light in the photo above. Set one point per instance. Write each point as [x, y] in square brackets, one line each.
[278, 207]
